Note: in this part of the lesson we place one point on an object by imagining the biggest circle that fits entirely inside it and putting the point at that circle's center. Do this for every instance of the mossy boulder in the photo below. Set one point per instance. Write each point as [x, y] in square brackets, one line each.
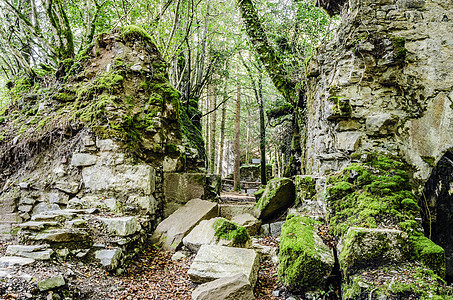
[362, 247]
[304, 260]
[305, 188]
[278, 195]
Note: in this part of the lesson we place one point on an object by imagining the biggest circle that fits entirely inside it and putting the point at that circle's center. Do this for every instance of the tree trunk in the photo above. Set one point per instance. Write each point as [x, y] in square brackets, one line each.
[237, 128]
[262, 133]
[212, 128]
[222, 138]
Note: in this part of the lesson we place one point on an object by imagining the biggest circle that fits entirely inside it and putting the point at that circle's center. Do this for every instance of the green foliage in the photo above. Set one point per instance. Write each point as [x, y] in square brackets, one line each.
[133, 32]
[228, 230]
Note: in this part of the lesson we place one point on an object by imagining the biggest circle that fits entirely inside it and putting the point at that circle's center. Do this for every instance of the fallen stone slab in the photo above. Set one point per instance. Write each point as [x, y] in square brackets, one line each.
[51, 283]
[230, 211]
[37, 252]
[205, 234]
[122, 226]
[213, 262]
[109, 258]
[236, 287]
[170, 232]
[11, 261]
[62, 235]
[278, 195]
[250, 223]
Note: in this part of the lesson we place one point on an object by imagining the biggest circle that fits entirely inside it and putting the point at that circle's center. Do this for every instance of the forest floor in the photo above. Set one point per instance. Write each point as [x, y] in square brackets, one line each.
[152, 275]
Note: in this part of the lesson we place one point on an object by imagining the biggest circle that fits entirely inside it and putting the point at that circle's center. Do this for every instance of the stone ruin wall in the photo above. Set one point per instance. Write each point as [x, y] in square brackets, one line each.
[384, 83]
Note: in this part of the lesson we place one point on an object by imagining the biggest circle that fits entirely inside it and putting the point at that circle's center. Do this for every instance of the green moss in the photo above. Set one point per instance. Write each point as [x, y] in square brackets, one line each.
[342, 107]
[108, 80]
[399, 49]
[133, 32]
[259, 193]
[63, 97]
[228, 230]
[300, 264]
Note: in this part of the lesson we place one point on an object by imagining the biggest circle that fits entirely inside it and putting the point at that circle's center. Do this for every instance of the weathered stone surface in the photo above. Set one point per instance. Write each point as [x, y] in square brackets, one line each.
[37, 252]
[120, 178]
[11, 261]
[348, 141]
[69, 186]
[362, 245]
[229, 211]
[45, 207]
[275, 228]
[213, 262]
[278, 195]
[106, 145]
[109, 258]
[179, 188]
[304, 260]
[51, 283]
[170, 232]
[227, 288]
[381, 124]
[122, 226]
[83, 159]
[250, 223]
[204, 234]
[265, 252]
[62, 235]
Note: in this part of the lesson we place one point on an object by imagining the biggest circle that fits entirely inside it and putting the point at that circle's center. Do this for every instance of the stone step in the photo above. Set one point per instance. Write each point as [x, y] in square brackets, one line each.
[37, 225]
[11, 217]
[38, 252]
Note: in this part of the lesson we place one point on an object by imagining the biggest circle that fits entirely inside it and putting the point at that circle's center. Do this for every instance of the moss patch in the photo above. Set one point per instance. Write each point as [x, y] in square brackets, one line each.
[228, 230]
[304, 261]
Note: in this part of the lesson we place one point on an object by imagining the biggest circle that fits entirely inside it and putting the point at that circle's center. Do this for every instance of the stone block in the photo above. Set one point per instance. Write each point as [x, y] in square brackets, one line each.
[170, 232]
[250, 223]
[83, 159]
[304, 260]
[69, 186]
[236, 287]
[278, 195]
[106, 145]
[205, 234]
[179, 188]
[11, 261]
[37, 225]
[348, 140]
[361, 246]
[109, 258]
[122, 226]
[213, 262]
[381, 124]
[51, 283]
[62, 236]
[45, 207]
[36, 252]
[229, 211]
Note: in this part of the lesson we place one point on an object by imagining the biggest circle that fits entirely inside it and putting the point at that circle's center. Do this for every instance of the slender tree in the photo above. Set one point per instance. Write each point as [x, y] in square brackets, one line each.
[237, 131]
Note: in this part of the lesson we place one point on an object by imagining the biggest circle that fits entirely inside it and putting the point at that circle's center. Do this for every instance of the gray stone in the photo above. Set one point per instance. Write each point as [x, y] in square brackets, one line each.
[250, 223]
[58, 198]
[348, 141]
[179, 255]
[77, 203]
[62, 236]
[37, 225]
[122, 226]
[24, 185]
[25, 208]
[275, 228]
[381, 124]
[179, 188]
[68, 186]
[109, 258]
[213, 262]
[35, 252]
[106, 145]
[361, 245]
[83, 159]
[265, 252]
[26, 201]
[122, 178]
[278, 195]
[170, 232]
[147, 203]
[45, 207]
[229, 211]
[236, 287]
[51, 283]
[11, 261]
